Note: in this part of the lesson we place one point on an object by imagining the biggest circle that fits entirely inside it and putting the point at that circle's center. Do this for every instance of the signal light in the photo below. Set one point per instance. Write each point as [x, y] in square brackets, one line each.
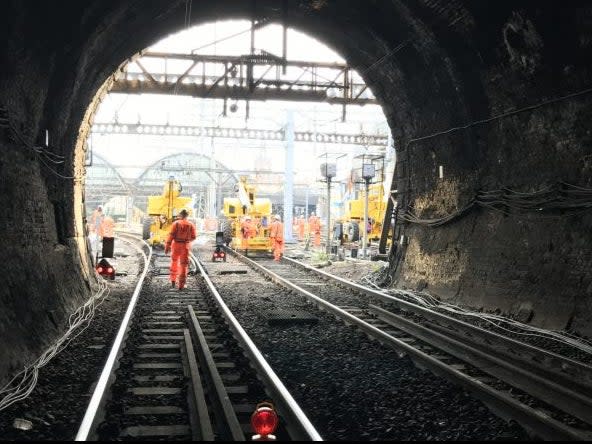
[99, 270]
[264, 421]
[109, 270]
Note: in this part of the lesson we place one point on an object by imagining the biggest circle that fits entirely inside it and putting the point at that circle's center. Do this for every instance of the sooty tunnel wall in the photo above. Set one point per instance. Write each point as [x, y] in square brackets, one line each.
[497, 93]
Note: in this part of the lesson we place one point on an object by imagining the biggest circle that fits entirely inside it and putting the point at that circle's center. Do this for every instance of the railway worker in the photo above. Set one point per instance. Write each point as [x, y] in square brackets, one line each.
[107, 227]
[96, 219]
[107, 232]
[314, 228]
[248, 230]
[300, 228]
[276, 234]
[178, 244]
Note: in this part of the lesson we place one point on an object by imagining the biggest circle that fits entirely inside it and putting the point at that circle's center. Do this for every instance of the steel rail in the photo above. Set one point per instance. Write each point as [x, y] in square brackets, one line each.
[93, 414]
[208, 366]
[300, 426]
[506, 406]
[197, 395]
[569, 401]
[574, 374]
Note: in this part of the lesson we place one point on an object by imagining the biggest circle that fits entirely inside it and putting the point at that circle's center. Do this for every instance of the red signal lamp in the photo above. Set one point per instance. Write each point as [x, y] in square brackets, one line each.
[264, 422]
[105, 269]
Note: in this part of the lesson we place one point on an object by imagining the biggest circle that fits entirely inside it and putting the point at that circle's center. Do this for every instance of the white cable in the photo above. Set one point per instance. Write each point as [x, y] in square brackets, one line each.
[497, 321]
[22, 384]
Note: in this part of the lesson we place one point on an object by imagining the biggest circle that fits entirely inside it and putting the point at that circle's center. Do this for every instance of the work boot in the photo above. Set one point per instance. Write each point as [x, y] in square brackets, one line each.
[173, 285]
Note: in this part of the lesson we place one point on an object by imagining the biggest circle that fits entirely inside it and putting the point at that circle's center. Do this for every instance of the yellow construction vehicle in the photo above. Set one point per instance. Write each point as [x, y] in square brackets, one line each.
[162, 211]
[259, 209]
[354, 210]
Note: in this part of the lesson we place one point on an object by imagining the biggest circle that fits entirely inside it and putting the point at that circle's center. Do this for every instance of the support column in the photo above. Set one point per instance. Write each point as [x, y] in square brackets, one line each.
[365, 227]
[289, 177]
[329, 215]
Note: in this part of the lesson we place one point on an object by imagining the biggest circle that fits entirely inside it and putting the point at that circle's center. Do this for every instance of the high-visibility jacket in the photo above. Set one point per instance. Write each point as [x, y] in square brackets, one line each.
[314, 224]
[95, 221]
[248, 229]
[276, 231]
[107, 228]
[182, 231]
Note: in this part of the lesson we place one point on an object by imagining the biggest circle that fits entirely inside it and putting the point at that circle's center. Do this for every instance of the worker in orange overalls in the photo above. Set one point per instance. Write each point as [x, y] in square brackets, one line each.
[276, 234]
[95, 220]
[107, 227]
[314, 228]
[248, 230]
[178, 244]
[107, 232]
[301, 228]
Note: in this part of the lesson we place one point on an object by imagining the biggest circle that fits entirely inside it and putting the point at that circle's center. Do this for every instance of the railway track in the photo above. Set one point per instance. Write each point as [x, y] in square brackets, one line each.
[548, 394]
[181, 368]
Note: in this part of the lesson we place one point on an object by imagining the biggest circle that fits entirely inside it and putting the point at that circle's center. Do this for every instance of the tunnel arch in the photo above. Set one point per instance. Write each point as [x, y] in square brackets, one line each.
[494, 92]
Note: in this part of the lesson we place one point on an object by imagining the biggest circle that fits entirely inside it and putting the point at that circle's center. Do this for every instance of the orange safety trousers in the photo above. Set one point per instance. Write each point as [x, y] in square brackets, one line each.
[278, 249]
[179, 262]
[317, 238]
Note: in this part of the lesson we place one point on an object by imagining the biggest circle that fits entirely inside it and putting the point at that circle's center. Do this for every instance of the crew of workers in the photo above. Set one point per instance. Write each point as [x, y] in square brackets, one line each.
[183, 233]
[178, 243]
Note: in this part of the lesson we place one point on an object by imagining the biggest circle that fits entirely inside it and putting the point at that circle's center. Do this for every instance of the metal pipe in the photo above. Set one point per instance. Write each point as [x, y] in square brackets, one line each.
[365, 228]
[328, 215]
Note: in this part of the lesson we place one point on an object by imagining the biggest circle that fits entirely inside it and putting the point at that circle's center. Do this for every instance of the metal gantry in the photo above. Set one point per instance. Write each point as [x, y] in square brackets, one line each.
[257, 76]
[238, 133]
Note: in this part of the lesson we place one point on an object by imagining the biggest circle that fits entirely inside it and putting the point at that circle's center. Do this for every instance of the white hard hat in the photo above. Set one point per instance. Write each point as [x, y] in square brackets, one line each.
[277, 217]
[248, 218]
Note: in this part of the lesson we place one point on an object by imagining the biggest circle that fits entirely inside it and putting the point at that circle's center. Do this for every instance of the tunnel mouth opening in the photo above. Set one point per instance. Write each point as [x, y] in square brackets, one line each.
[354, 124]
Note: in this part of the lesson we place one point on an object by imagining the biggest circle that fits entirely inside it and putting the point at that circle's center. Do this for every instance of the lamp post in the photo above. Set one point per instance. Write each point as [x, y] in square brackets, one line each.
[368, 173]
[328, 171]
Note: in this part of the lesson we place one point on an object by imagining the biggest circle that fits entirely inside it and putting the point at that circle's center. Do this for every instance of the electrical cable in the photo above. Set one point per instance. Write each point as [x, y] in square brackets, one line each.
[498, 322]
[42, 154]
[550, 202]
[22, 384]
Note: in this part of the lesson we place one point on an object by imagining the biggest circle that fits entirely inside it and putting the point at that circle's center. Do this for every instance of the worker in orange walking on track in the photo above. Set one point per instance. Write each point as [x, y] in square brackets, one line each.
[276, 234]
[314, 228]
[178, 243]
[301, 228]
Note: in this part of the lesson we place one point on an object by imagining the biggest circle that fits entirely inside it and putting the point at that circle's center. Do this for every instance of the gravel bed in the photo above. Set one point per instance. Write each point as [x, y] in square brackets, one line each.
[350, 386]
[57, 404]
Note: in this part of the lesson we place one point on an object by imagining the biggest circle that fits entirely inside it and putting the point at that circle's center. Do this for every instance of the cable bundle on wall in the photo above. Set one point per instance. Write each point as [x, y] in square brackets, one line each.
[44, 155]
[558, 200]
[21, 386]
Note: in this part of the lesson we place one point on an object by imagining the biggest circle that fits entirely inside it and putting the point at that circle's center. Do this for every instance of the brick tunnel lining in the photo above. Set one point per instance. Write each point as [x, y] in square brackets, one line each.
[432, 64]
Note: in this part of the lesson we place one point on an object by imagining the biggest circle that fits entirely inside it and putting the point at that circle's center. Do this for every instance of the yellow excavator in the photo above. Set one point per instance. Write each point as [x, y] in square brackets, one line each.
[350, 227]
[246, 204]
[162, 211]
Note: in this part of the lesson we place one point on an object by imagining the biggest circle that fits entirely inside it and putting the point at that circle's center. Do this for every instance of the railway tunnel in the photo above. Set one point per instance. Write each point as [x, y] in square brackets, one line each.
[489, 104]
